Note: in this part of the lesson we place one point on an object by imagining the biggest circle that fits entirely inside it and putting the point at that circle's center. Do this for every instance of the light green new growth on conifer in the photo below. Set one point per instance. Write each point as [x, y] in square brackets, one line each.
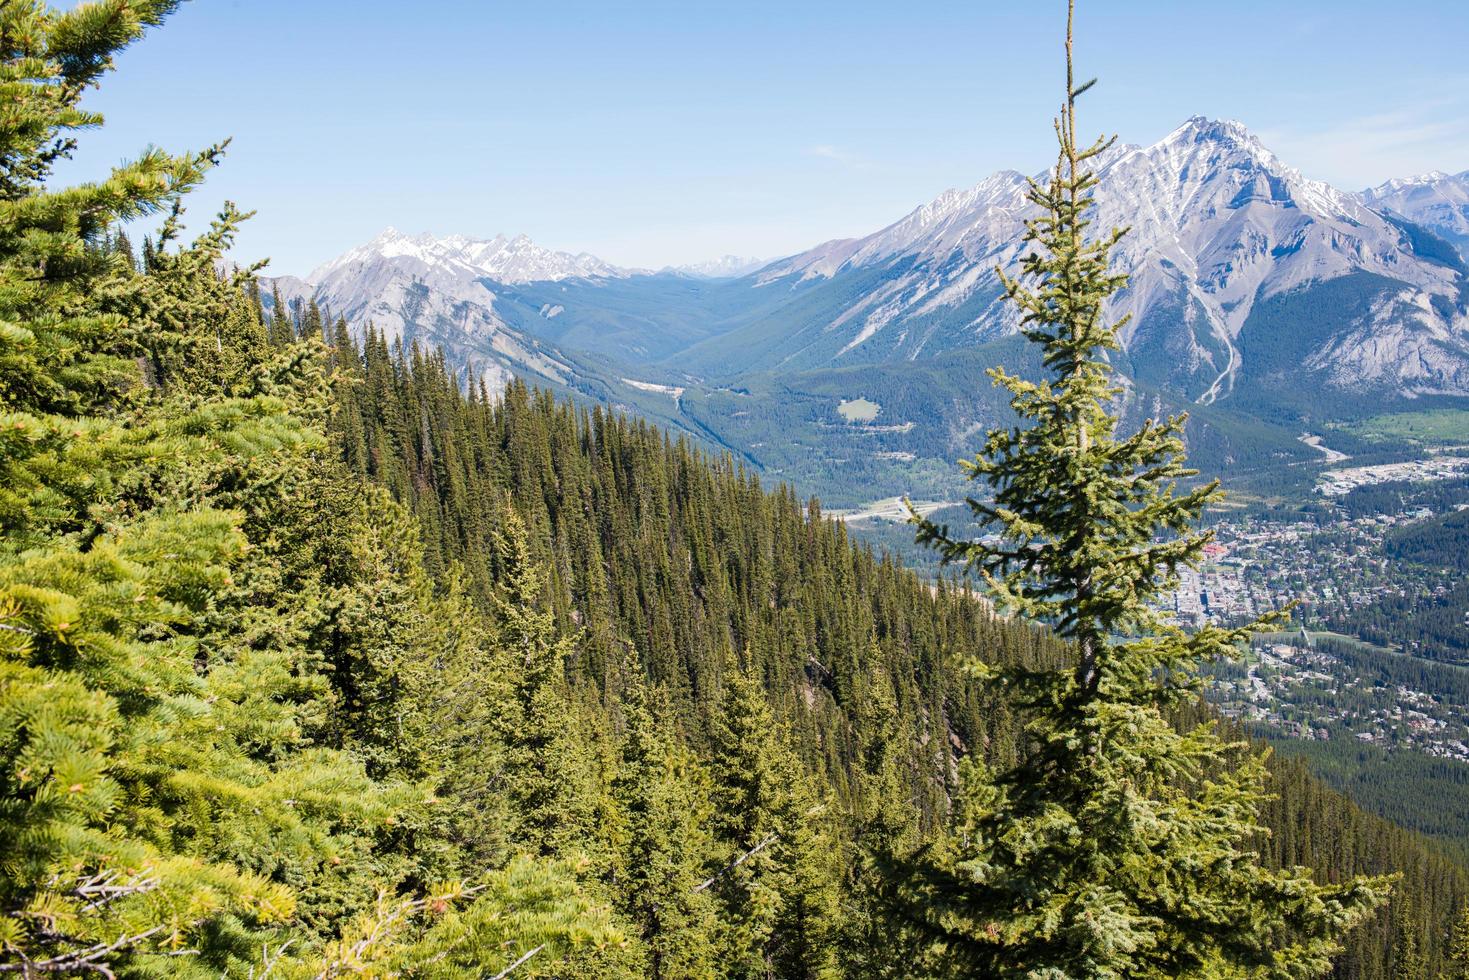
[189, 784]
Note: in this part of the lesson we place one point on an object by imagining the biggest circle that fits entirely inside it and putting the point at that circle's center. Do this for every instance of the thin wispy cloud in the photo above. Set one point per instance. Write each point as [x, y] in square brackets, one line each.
[1365, 150]
[825, 151]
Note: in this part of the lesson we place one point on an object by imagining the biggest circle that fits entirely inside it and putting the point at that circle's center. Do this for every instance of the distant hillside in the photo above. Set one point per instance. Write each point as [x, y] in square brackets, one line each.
[1268, 302]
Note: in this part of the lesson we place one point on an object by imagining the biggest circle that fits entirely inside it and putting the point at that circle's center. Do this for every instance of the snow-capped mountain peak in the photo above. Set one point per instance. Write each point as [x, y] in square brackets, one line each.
[442, 290]
[1436, 200]
[501, 259]
[1218, 223]
[1397, 184]
[1241, 270]
[1202, 128]
[724, 267]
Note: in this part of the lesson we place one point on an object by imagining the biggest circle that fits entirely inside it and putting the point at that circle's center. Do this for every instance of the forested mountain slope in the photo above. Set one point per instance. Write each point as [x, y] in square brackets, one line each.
[655, 547]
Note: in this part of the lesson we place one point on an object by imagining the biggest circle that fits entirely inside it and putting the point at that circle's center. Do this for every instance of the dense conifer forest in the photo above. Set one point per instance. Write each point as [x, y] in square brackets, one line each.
[319, 660]
[1311, 825]
[1429, 618]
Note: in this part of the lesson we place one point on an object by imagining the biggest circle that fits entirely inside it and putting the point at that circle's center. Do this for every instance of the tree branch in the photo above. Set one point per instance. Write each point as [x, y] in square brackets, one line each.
[87, 960]
[506, 972]
[737, 862]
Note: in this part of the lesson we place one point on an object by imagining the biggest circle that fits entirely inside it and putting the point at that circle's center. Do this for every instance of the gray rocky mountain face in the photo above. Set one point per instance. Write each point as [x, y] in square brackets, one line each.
[1437, 201]
[442, 292]
[1217, 225]
[1245, 274]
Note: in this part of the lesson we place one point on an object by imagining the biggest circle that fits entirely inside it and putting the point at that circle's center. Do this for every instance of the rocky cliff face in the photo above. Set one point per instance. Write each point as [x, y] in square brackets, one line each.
[1217, 224]
[1244, 273]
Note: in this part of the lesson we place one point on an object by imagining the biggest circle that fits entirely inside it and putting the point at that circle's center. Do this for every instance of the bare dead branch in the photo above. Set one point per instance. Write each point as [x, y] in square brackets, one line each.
[736, 862]
[506, 972]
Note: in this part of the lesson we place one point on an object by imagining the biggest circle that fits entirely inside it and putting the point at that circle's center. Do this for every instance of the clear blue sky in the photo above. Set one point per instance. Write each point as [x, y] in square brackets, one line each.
[652, 133]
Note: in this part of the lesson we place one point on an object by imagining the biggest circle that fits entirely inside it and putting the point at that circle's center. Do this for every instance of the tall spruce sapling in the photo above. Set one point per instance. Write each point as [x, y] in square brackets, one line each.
[774, 895]
[1118, 846]
[661, 838]
[546, 767]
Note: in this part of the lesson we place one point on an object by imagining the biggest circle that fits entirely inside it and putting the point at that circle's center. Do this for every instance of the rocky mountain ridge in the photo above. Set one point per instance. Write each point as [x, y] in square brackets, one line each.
[1245, 274]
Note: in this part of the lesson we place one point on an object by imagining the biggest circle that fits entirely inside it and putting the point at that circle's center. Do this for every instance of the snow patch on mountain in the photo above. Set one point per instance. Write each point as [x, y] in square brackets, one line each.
[1438, 201]
[1218, 225]
[505, 260]
[1217, 222]
[441, 291]
[724, 267]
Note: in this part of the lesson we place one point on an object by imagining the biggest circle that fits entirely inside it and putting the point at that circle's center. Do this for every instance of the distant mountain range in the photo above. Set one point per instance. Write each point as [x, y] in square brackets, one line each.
[1253, 288]
[1223, 236]
[724, 267]
[1437, 201]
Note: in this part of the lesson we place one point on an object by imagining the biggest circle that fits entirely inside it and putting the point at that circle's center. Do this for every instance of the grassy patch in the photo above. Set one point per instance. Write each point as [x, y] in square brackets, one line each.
[858, 410]
[1435, 427]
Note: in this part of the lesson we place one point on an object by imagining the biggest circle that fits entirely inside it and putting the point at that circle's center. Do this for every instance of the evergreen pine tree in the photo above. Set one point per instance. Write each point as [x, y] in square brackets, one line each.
[1458, 953]
[774, 887]
[662, 844]
[1119, 846]
[313, 327]
[282, 324]
[547, 773]
[1410, 962]
[123, 246]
